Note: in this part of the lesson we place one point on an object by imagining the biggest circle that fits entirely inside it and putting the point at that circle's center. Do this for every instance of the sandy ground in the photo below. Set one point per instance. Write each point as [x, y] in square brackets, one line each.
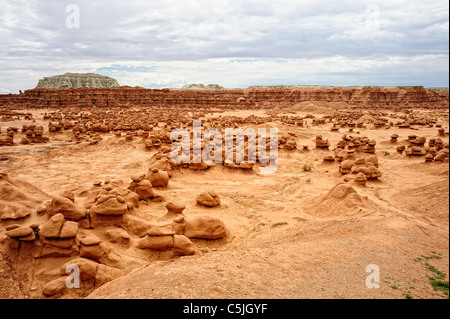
[288, 238]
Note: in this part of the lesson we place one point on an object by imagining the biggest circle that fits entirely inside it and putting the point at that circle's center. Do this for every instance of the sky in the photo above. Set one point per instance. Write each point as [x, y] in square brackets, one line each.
[236, 44]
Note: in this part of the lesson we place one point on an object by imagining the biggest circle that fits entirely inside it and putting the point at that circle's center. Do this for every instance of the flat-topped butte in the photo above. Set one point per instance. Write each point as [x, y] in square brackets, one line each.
[77, 80]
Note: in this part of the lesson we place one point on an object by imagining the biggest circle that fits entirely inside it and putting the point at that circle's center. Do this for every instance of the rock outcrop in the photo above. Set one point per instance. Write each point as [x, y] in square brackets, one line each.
[77, 80]
[202, 87]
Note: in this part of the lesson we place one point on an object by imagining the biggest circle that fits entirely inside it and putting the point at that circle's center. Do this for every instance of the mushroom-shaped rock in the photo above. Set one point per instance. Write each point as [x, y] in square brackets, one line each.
[361, 179]
[401, 148]
[209, 199]
[328, 159]
[138, 177]
[174, 210]
[321, 143]
[415, 151]
[394, 138]
[357, 164]
[91, 248]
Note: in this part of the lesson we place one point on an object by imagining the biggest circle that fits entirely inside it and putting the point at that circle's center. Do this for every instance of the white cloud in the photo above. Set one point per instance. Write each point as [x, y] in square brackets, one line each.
[196, 40]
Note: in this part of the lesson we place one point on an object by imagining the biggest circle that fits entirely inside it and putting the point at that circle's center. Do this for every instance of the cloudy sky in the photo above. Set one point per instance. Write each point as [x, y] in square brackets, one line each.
[233, 43]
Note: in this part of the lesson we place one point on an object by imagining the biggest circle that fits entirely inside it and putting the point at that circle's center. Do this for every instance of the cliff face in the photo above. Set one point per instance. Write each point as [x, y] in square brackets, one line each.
[77, 80]
[359, 97]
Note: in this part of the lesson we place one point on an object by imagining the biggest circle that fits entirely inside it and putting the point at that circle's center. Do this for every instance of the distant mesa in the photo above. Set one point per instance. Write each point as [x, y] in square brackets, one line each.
[202, 87]
[77, 80]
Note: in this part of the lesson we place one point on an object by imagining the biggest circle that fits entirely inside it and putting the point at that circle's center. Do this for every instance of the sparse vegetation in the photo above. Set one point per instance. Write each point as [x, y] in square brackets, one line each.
[394, 286]
[306, 168]
[279, 224]
[437, 277]
[257, 227]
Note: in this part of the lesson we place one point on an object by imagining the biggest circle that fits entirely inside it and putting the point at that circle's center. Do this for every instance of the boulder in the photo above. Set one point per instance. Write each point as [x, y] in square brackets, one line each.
[205, 227]
[346, 167]
[118, 235]
[55, 286]
[88, 268]
[110, 206]
[209, 199]
[21, 231]
[183, 246]
[160, 230]
[52, 228]
[136, 225]
[69, 229]
[158, 178]
[66, 207]
[159, 243]
[142, 188]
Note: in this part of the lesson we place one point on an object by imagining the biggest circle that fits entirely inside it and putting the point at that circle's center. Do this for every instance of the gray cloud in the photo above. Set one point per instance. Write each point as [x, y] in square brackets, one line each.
[36, 41]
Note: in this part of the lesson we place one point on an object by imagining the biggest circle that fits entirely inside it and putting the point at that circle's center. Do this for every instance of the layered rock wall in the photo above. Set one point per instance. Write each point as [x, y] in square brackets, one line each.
[393, 98]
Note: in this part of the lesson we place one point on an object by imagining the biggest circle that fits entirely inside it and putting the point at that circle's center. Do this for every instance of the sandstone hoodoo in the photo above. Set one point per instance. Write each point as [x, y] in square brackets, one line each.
[77, 80]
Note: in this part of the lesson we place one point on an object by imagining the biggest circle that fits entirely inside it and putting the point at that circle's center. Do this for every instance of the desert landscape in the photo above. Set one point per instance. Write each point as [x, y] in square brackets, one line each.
[87, 179]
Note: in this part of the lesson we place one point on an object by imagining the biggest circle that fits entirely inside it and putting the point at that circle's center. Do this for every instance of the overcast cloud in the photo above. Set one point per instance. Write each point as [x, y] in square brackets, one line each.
[159, 44]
